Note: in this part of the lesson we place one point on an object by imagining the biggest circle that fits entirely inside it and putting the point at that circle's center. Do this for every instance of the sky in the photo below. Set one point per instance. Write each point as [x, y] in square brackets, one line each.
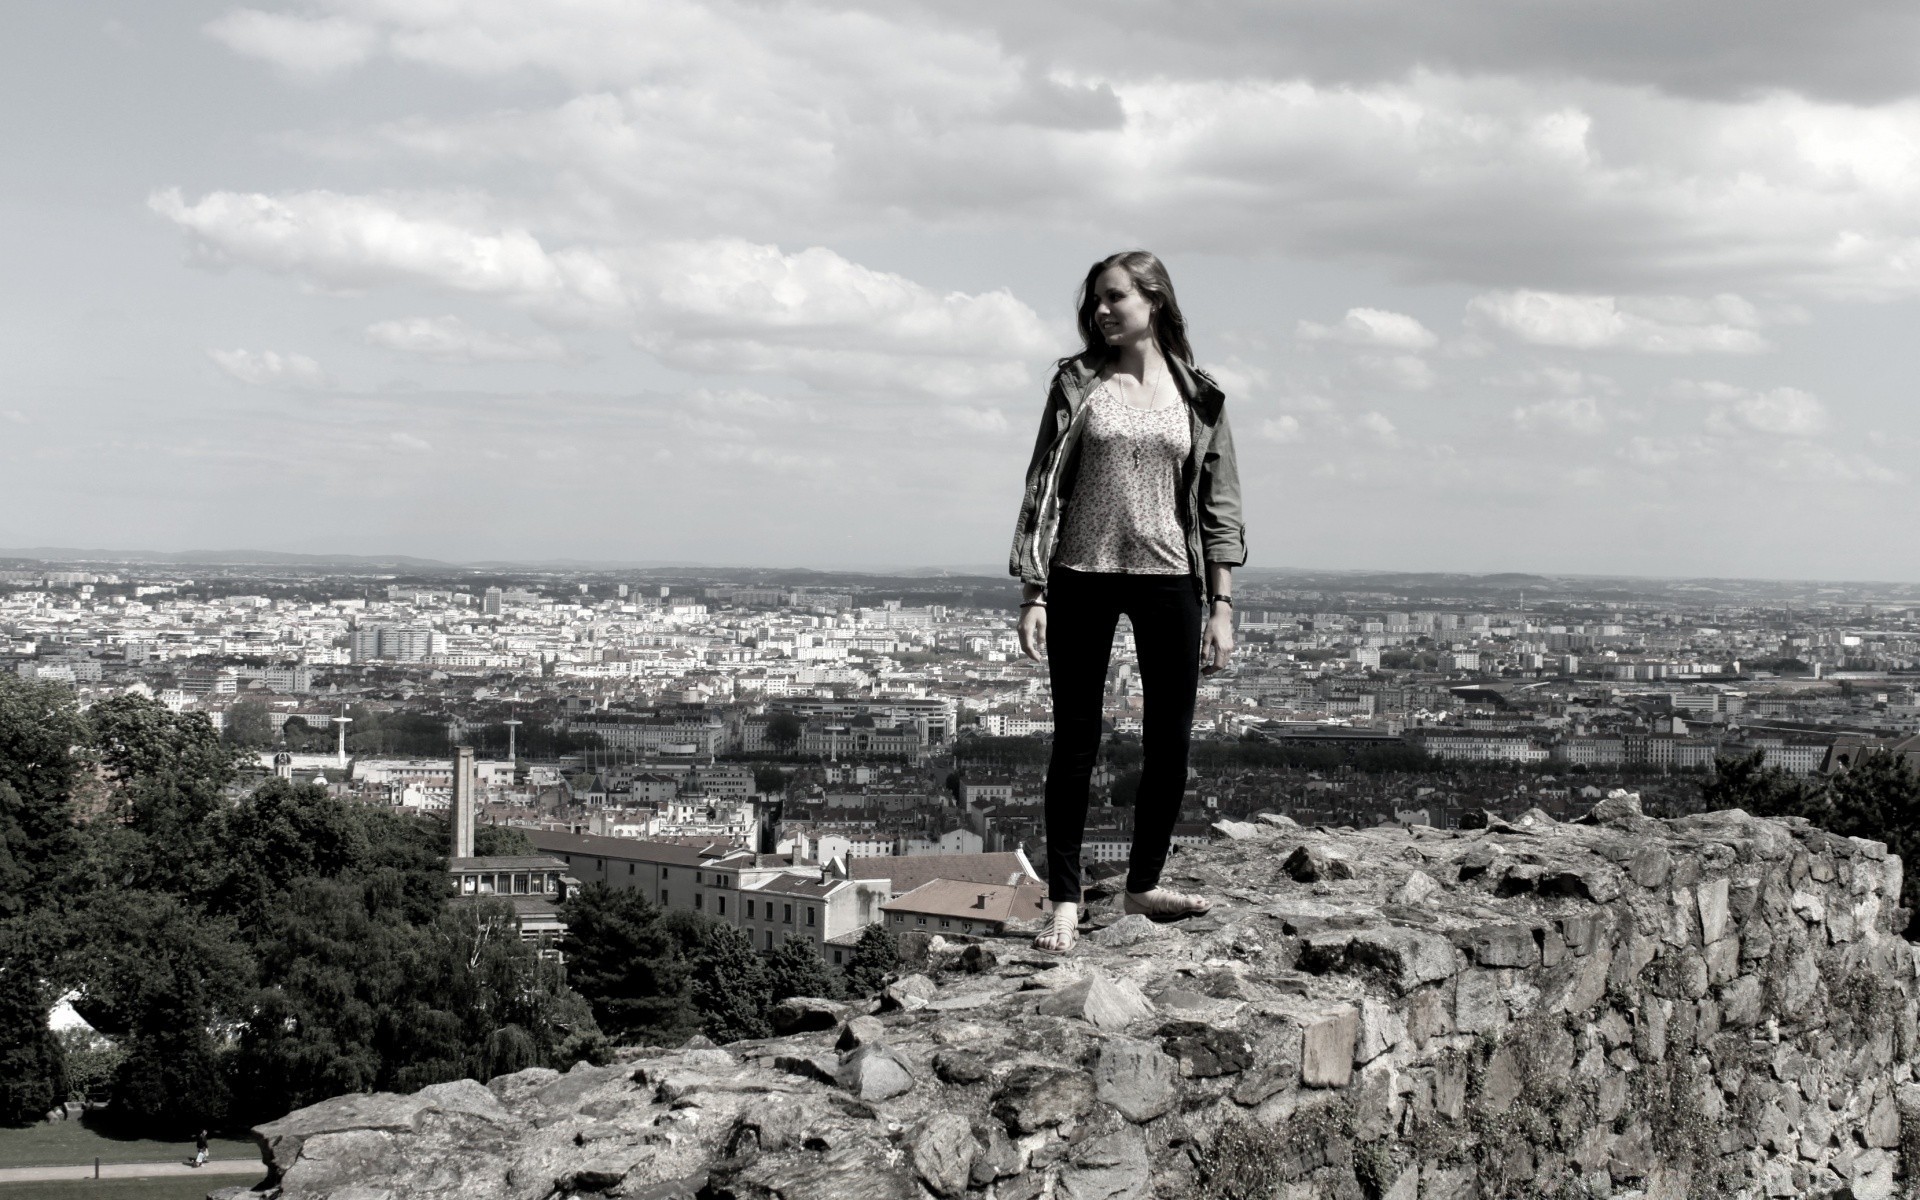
[1590, 287]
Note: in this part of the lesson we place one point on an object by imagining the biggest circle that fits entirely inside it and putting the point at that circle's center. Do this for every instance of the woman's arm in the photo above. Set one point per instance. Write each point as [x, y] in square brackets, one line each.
[1216, 641]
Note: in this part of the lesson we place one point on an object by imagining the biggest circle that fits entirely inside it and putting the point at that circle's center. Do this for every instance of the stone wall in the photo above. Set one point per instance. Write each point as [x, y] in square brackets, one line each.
[1712, 1006]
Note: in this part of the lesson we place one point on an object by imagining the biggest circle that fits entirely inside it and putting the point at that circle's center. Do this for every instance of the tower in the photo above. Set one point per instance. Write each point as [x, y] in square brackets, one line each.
[463, 802]
[513, 728]
[341, 724]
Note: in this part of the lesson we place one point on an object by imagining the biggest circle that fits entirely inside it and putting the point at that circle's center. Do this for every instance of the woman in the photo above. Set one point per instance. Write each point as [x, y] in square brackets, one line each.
[1132, 506]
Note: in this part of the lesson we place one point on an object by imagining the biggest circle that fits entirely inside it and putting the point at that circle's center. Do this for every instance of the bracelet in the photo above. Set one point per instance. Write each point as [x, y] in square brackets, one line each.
[1033, 604]
[1227, 600]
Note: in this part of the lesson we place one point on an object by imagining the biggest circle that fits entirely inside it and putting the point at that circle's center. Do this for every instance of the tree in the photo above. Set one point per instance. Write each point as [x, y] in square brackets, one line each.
[248, 726]
[1748, 783]
[769, 780]
[1879, 798]
[784, 730]
[872, 959]
[492, 840]
[796, 969]
[40, 728]
[730, 991]
[32, 1063]
[630, 967]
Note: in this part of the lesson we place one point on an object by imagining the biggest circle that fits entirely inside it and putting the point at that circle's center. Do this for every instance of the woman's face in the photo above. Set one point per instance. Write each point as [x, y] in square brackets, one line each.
[1121, 313]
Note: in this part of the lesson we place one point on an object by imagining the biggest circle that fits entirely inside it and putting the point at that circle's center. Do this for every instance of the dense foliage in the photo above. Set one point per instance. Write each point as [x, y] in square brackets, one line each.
[1877, 798]
[242, 955]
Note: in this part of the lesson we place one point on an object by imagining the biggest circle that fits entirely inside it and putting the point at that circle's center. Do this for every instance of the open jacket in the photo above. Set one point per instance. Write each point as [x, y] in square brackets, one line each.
[1209, 500]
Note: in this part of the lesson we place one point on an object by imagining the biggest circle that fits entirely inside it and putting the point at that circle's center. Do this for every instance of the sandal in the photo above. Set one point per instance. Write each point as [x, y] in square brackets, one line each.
[1163, 905]
[1064, 931]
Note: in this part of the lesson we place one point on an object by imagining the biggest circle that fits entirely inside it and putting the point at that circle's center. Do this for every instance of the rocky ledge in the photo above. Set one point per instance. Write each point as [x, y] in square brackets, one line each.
[1712, 1006]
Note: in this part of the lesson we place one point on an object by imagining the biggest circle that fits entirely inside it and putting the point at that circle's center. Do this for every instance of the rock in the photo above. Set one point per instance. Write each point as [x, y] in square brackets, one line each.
[943, 1153]
[805, 1014]
[1131, 930]
[1515, 1035]
[1035, 1098]
[1504, 946]
[1326, 1058]
[1280, 822]
[1205, 1051]
[1136, 1078]
[1100, 1001]
[1712, 899]
[1620, 809]
[1113, 1167]
[1311, 864]
[858, 1032]
[874, 1073]
[1242, 831]
[1410, 957]
[978, 958]
[905, 995]
[960, 1067]
[1418, 888]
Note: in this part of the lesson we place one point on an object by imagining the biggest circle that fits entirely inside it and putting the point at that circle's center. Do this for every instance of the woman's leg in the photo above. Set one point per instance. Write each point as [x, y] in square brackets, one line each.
[1081, 617]
[1165, 612]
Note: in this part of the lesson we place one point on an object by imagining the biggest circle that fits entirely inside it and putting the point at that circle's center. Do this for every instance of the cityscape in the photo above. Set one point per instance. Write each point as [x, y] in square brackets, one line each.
[896, 717]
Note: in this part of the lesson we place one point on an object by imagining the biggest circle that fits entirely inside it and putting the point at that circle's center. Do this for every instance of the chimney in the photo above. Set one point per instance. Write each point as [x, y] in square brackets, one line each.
[463, 802]
[980, 901]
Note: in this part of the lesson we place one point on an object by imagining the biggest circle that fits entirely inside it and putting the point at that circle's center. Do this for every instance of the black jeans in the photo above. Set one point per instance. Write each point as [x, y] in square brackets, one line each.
[1083, 610]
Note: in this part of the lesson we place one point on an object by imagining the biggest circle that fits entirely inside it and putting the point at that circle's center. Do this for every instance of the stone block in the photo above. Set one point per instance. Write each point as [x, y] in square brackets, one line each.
[874, 1073]
[1136, 1078]
[943, 1153]
[1326, 1056]
[1100, 1001]
[1110, 1167]
[858, 1032]
[1478, 1004]
[1205, 1050]
[1036, 1097]
[805, 1014]
[1381, 1029]
[1741, 1002]
[1651, 867]
[1711, 896]
[1504, 946]
[1723, 960]
[1417, 889]
[1313, 864]
[1410, 957]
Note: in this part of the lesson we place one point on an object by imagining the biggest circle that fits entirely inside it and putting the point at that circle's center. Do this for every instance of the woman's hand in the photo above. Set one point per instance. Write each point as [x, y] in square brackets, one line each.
[1033, 631]
[1216, 642]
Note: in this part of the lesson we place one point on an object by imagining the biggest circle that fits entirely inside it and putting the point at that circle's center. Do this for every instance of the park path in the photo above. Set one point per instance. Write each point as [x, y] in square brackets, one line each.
[136, 1170]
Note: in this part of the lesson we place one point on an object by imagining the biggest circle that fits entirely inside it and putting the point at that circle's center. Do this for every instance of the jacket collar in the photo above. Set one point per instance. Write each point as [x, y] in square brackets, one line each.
[1197, 388]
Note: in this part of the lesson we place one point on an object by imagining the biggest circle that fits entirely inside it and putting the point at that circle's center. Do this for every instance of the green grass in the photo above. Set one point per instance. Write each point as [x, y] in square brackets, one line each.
[188, 1188]
[73, 1143]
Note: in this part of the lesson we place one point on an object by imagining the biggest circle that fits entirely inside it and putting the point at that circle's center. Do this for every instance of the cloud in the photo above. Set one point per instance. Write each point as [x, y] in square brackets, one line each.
[1655, 325]
[1488, 168]
[410, 443]
[305, 47]
[269, 368]
[15, 416]
[450, 339]
[1811, 462]
[1372, 327]
[1405, 371]
[977, 420]
[1575, 414]
[722, 305]
[1281, 429]
[1783, 411]
[1377, 424]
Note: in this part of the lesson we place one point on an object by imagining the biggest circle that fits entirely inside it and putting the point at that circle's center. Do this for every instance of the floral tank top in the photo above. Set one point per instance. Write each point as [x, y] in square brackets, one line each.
[1124, 513]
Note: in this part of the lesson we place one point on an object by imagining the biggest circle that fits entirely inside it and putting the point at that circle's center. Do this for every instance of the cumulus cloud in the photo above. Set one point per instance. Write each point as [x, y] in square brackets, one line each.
[720, 305]
[1373, 327]
[409, 443]
[1405, 371]
[1783, 411]
[1281, 429]
[1657, 325]
[1377, 424]
[269, 368]
[306, 47]
[1575, 414]
[832, 121]
[450, 339]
